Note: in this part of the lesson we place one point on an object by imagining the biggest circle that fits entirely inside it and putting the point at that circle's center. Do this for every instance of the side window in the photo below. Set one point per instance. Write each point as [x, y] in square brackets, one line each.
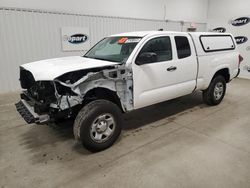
[183, 47]
[161, 46]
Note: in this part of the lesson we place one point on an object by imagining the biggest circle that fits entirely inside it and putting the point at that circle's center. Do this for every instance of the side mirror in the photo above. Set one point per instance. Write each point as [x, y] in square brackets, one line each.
[146, 57]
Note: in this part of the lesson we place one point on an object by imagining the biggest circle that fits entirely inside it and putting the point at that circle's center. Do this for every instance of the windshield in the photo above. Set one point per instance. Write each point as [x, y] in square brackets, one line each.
[115, 49]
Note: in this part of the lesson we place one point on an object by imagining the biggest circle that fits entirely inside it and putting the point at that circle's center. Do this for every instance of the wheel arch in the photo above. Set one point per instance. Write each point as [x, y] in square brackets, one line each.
[103, 93]
[223, 72]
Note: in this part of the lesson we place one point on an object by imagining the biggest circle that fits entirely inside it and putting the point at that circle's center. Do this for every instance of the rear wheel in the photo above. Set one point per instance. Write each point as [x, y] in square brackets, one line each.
[215, 93]
[98, 125]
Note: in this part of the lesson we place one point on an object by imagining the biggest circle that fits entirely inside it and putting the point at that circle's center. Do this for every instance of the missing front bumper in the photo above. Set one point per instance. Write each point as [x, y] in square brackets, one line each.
[28, 114]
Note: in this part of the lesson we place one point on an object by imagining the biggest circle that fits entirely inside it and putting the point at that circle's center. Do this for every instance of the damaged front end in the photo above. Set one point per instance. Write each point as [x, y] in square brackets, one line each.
[63, 97]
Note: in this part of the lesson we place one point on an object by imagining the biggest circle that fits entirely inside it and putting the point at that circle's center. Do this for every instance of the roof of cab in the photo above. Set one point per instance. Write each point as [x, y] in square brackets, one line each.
[144, 33]
[208, 33]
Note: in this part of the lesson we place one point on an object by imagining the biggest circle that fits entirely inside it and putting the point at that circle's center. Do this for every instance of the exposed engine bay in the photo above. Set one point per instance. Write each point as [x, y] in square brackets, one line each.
[63, 96]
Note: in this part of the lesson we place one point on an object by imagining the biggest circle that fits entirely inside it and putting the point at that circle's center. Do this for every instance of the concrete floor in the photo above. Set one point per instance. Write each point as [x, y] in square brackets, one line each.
[179, 143]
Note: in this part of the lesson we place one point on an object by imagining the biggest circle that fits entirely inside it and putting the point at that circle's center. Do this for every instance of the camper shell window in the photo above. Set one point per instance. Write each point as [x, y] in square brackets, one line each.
[213, 43]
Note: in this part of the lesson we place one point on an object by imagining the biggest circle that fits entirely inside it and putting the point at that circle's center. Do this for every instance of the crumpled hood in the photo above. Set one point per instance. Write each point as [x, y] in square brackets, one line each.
[52, 68]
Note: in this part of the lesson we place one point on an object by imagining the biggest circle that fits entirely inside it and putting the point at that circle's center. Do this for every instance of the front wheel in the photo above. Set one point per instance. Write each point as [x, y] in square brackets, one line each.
[215, 93]
[98, 125]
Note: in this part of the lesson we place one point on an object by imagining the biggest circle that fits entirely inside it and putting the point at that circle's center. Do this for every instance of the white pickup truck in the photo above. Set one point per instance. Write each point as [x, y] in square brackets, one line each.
[122, 73]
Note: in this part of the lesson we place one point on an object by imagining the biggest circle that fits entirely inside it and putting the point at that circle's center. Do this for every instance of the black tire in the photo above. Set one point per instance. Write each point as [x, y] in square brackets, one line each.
[209, 96]
[84, 123]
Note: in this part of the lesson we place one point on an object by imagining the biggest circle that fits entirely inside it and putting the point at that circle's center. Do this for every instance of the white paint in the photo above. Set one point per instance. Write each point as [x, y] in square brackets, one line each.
[153, 83]
[52, 68]
[221, 13]
[185, 10]
[211, 62]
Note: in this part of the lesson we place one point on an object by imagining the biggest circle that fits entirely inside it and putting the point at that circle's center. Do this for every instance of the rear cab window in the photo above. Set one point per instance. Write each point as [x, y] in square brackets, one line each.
[182, 46]
[213, 43]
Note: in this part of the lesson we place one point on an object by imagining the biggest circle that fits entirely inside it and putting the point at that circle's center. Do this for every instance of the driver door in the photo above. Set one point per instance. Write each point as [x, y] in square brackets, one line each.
[162, 79]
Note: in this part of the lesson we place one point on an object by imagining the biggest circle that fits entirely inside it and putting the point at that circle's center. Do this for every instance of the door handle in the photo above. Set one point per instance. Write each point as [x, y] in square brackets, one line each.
[172, 68]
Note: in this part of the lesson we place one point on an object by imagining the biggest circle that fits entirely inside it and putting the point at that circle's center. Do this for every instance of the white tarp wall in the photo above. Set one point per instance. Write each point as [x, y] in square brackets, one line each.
[30, 35]
[234, 17]
[242, 35]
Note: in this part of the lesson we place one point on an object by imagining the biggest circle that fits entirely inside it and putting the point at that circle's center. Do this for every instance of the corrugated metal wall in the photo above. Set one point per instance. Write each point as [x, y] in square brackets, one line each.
[30, 35]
